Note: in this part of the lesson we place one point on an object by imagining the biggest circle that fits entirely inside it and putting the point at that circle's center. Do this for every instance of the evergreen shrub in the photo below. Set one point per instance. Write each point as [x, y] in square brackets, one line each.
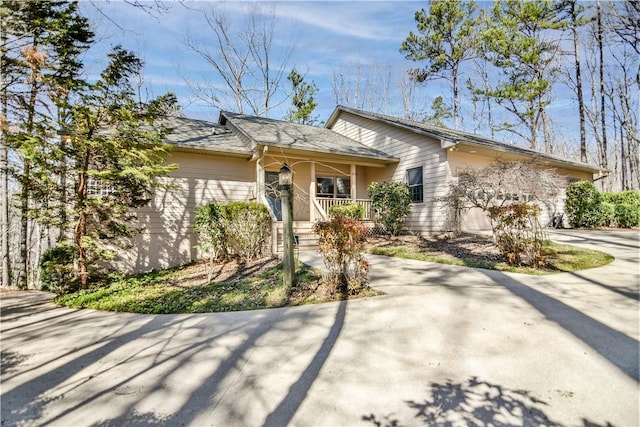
[583, 205]
[349, 210]
[391, 201]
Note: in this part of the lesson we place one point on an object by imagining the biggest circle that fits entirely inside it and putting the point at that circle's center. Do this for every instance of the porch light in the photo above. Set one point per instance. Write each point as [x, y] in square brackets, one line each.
[64, 134]
[285, 176]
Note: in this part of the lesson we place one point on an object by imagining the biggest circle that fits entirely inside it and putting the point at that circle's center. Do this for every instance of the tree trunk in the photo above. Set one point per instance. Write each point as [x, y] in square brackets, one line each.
[4, 167]
[456, 101]
[4, 214]
[23, 265]
[623, 161]
[603, 120]
[576, 48]
[80, 230]
[546, 133]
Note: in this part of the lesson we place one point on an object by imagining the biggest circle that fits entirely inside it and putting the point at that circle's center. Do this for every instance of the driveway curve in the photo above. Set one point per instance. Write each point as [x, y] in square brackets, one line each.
[446, 345]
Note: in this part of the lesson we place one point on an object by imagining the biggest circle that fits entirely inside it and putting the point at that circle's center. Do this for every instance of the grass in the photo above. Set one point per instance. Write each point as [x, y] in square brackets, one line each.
[559, 258]
[174, 290]
[160, 292]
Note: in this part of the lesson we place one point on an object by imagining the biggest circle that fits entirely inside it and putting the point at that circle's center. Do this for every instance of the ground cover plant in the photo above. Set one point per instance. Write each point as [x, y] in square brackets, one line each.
[234, 286]
[472, 250]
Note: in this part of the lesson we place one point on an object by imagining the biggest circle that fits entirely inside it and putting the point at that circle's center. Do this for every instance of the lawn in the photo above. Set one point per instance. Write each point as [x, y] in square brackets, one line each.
[235, 286]
[258, 284]
[472, 250]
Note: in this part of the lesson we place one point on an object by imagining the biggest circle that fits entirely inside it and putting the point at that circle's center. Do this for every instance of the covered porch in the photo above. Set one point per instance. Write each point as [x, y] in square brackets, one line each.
[318, 184]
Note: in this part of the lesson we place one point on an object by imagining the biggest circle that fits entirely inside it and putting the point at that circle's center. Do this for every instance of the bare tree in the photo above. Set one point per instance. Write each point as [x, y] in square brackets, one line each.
[366, 90]
[408, 93]
[248, 71]
[350, 86]
[603, 121]
[4, 155]
[612, 65]
[625, 108]
[572, 14]
[511, 193]
[482, 107]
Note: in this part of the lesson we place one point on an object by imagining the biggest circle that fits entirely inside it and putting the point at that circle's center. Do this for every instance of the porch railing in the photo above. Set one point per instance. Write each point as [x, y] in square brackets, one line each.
[324, 203]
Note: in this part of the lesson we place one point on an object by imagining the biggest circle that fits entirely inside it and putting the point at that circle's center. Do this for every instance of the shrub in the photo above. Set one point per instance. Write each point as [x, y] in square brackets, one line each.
[349, 210]
[621, 209]
[247, 227]
[583, 205]
[631, 197]
[626, 215]
[391, 201]
[608, 218]
[57, 269]
[232, 229]
[517, 233]
[209, 226]
[341, 244]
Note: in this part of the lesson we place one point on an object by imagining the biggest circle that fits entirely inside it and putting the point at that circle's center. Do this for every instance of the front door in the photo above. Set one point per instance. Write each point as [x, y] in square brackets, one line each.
[271, 193]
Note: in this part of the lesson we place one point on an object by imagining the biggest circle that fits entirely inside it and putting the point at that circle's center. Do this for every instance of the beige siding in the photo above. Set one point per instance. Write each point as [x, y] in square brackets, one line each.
[475, 219]
[362, 181]
[168, 238]
[413, 150]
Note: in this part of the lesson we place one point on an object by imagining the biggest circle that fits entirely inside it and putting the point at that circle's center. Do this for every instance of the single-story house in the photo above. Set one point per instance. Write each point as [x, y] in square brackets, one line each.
[238, 159]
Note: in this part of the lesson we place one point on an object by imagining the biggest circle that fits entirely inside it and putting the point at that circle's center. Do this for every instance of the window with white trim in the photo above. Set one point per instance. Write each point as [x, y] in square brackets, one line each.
[98, 188]
[415, 182]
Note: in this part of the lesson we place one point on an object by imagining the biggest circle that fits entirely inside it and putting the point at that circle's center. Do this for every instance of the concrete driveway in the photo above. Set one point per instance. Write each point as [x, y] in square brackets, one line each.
[446, 346]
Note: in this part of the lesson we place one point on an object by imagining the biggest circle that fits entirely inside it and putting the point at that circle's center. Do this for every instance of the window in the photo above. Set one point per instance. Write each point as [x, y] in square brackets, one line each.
[414, 179]
[324, 187]
[98, 188]
[335, 187]
[343, 188]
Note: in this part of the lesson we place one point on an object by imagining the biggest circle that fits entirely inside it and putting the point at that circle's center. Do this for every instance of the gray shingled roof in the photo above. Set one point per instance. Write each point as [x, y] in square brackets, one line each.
[457, 136]
[203, 135]
[276, 133]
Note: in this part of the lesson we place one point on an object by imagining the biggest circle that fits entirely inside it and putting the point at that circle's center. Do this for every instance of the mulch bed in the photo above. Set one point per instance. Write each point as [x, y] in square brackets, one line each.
[472, 247]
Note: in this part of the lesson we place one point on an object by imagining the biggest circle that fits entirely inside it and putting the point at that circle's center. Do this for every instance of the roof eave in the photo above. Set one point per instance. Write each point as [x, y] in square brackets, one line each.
[334, 116]
[212, 152]
[449, 142]
[583, 167]
[275, 150]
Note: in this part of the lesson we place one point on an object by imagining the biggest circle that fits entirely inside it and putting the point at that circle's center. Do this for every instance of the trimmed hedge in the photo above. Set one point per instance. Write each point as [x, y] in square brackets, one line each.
[233, 229]
[583, 205]
[349, 210]
[587, 207]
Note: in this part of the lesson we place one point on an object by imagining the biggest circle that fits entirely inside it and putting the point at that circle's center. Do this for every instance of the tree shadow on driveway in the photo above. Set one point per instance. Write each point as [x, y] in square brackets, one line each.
[618, 348]
[116, 363]
[473, 403]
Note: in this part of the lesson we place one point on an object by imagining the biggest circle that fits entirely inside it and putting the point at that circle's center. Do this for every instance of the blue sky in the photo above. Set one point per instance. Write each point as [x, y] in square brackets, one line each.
[326, 37]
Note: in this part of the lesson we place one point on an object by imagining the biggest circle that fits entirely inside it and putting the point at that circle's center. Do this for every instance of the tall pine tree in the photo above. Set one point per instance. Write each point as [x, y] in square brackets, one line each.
[41, 44]
[445, 39]
[117, 152]
[517, 41]
[302, 100]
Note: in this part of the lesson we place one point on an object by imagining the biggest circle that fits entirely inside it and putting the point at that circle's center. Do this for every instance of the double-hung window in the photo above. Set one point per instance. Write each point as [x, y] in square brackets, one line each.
[334, 187]
[416, 188]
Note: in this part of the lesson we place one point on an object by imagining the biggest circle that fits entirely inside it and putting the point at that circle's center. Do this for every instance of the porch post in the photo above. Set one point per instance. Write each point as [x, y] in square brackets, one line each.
[260, 180]
[312, 193]
[354, 185]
